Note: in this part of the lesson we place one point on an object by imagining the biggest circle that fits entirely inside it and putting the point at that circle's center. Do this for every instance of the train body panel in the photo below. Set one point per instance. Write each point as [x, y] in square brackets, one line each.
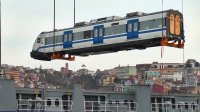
[137, 32]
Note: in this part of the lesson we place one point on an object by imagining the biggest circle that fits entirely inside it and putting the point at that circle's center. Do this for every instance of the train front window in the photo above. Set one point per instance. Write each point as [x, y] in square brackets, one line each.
[177, 25]
[38, 40]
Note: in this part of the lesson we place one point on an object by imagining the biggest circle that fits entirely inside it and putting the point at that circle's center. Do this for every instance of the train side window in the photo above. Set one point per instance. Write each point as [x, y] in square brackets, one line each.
[135, 27]
[130, 27]
[95, 32]
[108, 31]
[38, 40]
[144, 25]
[49, 102]
[120, 29]
[101, 32]
[70, 37]
[65, 38]
[78, 36]
[56, 102]
[48, 40]
[157, 23]
[87, 34]
[58, 39]
[117, 29]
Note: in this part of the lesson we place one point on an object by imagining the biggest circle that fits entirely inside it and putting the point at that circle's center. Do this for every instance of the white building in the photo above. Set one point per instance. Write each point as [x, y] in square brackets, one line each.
[168, 76]
[178, 76]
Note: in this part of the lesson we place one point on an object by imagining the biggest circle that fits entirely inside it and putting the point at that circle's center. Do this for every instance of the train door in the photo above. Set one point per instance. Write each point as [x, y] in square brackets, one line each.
[132, 29]
[98, 33]
[68, 37]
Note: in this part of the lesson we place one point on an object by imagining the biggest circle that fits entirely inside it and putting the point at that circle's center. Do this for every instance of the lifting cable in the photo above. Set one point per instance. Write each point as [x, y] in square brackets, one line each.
[54, 18]
[162, 47]
[54, 23]
[58, 55]
[183, 35]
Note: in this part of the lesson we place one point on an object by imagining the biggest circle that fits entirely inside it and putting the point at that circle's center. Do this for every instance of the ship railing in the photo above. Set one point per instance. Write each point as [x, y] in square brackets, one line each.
[106, 106]
[169, 107]
[29, 105]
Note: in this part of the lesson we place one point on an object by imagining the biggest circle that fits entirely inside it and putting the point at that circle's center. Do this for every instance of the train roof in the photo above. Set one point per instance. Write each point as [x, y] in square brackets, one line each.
[124, 18]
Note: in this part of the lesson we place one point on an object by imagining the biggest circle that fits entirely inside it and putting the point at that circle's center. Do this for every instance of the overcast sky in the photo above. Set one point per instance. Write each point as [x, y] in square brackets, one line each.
[24, 20]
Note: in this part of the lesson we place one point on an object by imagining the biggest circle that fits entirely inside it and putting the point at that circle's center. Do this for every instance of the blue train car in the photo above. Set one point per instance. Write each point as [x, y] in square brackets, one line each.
[111, 34]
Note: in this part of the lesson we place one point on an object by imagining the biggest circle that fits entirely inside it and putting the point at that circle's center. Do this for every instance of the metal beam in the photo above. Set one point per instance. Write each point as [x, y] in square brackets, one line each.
[74, 12]
[0, 35]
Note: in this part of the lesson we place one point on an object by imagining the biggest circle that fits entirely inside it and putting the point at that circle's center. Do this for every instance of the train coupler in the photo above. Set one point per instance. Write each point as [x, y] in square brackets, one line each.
[177, 44]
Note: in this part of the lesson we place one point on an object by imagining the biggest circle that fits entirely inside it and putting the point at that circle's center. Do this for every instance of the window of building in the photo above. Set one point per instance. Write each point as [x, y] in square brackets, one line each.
[169, 66]
[132, 104]
[49, 102]
[193, 106]
[56, 102]
[117, 102]
[125, 102]
[186, 106]
[102, 98]
[109, 102]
